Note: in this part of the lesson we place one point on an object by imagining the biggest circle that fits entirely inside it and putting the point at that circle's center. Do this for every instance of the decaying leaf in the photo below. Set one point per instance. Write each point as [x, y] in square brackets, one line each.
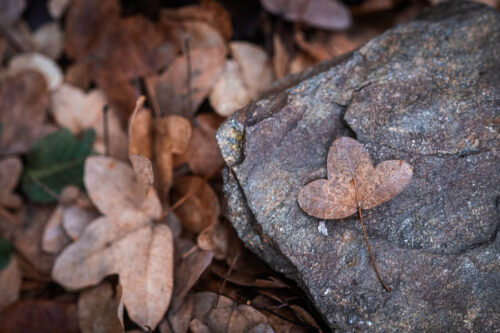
[23, 105]
[55, 162]
[352, 182]
[38, 62]
[10, 170]
[255, 66]
[78, 111]
[325, 14]
[244, 318]
[100, 309]
[203, 154]
[10, 283]
[39, 316]
[200, 206]
[126, 242]
[281, 58]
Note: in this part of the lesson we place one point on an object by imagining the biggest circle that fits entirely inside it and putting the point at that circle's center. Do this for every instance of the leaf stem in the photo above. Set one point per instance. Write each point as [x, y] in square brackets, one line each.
[386, 287]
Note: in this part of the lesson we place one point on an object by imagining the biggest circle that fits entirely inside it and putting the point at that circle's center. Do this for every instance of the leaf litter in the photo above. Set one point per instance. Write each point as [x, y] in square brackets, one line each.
[125, 231]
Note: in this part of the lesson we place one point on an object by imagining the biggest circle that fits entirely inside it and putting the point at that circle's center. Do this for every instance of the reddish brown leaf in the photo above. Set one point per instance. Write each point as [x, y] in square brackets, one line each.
[10, 283]
[353, 182]
[42, 316]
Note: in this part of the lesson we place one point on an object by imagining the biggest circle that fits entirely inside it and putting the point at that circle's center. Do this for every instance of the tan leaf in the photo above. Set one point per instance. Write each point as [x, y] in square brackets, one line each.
[143, 169]
[78, 111]
[300, 62]
[54, 239]
[255, 66]
[140, 131]
[353, 182]
[215, 238]
[57, 7]
[23, 105]
[244, 318]
[10, 283]
[207, 64]
[10, 170]
[203, 154]
[48, 40]
[76, 219]
[172, 135]
[38, 62]
[281, 58]
[200, 206]
[229, 93]
[126, 242]
[215, 317]
[100, 309]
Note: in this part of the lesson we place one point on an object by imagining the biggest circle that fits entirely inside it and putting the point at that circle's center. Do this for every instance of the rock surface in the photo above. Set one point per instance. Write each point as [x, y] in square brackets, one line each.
[426, 92]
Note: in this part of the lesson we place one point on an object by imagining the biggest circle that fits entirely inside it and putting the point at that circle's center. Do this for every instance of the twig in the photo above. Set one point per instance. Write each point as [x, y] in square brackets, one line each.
[105, 126]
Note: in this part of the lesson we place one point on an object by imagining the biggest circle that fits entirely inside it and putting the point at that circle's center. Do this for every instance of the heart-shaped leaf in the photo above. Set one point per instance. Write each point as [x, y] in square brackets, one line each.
[353, 182]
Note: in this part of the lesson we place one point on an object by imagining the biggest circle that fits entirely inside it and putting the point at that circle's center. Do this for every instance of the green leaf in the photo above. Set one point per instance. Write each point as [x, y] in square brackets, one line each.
[55, 162]
[5, 252]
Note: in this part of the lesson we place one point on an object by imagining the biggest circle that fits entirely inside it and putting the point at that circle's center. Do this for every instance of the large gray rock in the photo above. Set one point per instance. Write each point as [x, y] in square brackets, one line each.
[426, 92]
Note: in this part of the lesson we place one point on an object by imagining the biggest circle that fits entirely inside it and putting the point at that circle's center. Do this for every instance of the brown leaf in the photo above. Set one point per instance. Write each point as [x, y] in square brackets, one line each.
[244, 318]
[172, 135]
[208, 11]
[35, 61]
[324, 14]
[200, 206]
[179, 319]
[100, 309]
[11, 10]
[78, 111]
[281, 58]
[203, 154]
[215, 317]
[255, 66]
[23, 105]
[48, 40]
[126, 242]
[10, 170]
[42, 316]
[10, 283]
[140, 131]
[207, 64]
[215, 238]
[352, 182]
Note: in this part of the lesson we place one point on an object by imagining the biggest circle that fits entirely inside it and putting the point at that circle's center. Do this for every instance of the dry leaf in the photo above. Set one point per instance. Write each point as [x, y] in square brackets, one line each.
[78, 76]
[48, 40]
[39, 316]
[209, 11]
[126, 242]
[197, 326]
[54, 239]
[281, 58]
[10, 171]
[100, 309]
[143, 169]
[255, 66]
[207, 65]
[353, 182]
[244, 318]
[324, 14]
[203, 154]
[56, 8]
[78, 111]
[172, 135]
[76, 219]
[300, 62]
[179, 319]
[11, 10]
[38, 62]
[200, 206]
[23, 105]
[215, 317]
[215, 238]
[229, 93]
[10, 283]
[140, 131]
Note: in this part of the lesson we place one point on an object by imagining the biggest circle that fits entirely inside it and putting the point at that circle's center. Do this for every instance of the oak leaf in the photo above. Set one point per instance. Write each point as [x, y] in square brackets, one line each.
[126, 241]
[353, 184]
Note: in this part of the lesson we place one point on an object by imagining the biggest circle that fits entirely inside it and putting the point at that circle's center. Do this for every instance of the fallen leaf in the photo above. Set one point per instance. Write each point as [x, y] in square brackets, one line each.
[55, 162]
[54, 239]
[197, 326]
[57, 8]
[10, 281]
[315, 50]
[100, 309]
[23, 104]
[5, 252]
[79, 111]
[281, 58]
[215, 238]
[78, 76]
[140, 131]
[324, 14]
[244, 318]
[353, 184]
[229, 93]
[76, 219]
[38, 62]
[255, 65]
[300, 62]
[208, 11]
[172, 135]
[143, 169]
[174, 97]
[10, 170]
[48, 40]
[179, 319]
[126, 241]
[200, 206]
[215, 317]
[39, 316]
